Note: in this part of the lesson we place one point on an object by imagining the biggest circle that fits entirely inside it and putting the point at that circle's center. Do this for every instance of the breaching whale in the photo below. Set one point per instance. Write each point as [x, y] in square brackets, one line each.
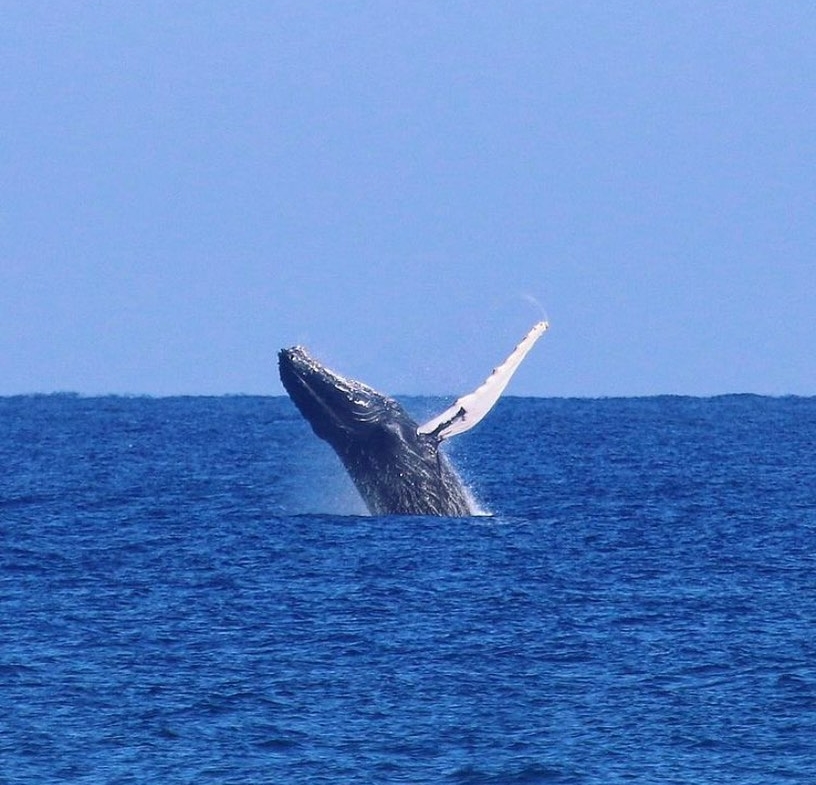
[397, 466]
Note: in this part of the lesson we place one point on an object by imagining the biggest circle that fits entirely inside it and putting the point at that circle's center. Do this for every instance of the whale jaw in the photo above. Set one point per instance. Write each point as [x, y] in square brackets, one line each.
[340, 410]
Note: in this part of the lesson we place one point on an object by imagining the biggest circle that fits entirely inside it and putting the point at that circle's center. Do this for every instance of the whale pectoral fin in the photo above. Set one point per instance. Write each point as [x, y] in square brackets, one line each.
[470, 409]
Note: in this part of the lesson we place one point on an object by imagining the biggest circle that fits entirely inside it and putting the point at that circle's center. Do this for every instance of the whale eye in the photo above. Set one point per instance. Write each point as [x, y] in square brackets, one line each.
[394, 430]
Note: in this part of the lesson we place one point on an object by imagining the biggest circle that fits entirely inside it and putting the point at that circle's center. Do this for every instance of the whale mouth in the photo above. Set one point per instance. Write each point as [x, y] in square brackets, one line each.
[296, 364]
[335, 407]
[309, 385]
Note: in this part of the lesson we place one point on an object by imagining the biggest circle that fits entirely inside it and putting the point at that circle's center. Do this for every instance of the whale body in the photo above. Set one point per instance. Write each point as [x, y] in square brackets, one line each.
[396, 464]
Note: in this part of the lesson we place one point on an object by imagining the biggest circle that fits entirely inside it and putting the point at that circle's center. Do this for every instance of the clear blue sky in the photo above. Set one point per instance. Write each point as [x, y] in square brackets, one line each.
[189, 186]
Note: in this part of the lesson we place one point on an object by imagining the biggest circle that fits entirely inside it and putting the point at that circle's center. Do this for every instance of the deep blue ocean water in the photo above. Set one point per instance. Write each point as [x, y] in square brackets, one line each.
[190, 592]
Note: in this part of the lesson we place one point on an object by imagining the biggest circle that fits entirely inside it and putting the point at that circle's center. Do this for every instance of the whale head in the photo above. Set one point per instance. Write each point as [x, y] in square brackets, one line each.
[341, 411]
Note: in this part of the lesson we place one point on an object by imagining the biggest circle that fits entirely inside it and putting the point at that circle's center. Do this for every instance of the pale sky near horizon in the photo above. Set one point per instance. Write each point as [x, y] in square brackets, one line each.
[403, 187]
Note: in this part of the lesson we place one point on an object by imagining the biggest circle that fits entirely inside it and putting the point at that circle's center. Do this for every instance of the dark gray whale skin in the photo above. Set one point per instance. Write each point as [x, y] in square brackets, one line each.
[396, 470]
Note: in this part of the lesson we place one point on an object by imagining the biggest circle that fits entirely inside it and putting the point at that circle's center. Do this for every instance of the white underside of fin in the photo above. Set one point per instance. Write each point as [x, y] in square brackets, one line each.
[470, 409]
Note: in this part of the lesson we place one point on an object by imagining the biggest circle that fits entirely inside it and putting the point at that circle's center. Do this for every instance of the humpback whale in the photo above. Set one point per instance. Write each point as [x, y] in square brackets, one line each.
[397, 465]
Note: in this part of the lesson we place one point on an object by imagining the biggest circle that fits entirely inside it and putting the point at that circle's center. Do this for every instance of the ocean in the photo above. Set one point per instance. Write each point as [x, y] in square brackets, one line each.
[191, 592]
